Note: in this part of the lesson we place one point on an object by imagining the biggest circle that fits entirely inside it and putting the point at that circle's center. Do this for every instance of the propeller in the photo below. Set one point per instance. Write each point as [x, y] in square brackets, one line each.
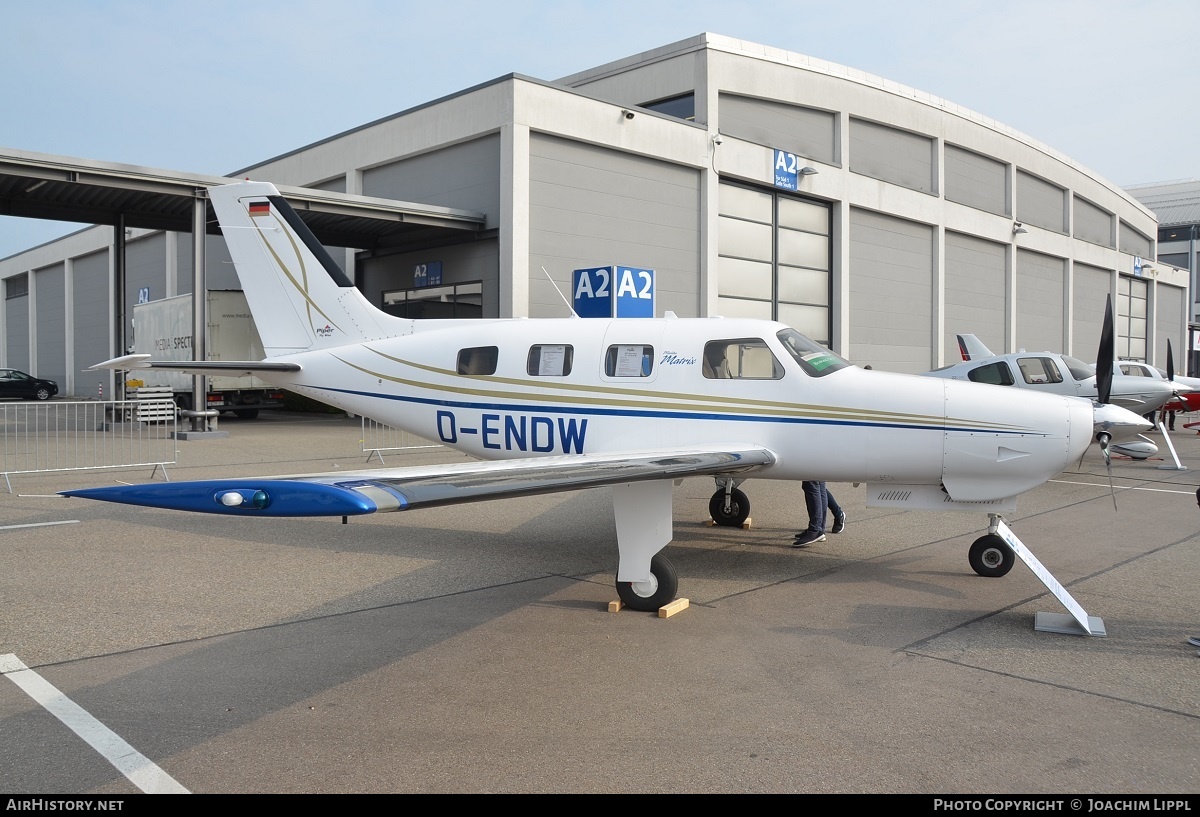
[1104, 378]
[1104, 356]
[1170, 363]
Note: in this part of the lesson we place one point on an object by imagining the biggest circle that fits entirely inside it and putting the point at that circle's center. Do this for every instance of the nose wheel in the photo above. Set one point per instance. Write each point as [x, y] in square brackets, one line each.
[991, 557]
[729, 507]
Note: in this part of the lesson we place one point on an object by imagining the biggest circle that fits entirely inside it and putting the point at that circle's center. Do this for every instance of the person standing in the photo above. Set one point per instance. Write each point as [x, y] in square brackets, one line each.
[819, 502]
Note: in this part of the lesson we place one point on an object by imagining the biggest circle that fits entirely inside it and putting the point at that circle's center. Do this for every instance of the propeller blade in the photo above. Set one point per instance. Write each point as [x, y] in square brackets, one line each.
[1103, 440]
[1170, 363]
[1104, 356]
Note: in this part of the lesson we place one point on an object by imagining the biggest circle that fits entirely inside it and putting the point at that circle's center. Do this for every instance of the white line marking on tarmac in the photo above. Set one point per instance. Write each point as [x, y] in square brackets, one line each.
[1123, 487]
[40, 524]
[138, 768]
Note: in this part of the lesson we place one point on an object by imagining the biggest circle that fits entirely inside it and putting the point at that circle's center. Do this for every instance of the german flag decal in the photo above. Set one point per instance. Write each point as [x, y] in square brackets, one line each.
[260, 208]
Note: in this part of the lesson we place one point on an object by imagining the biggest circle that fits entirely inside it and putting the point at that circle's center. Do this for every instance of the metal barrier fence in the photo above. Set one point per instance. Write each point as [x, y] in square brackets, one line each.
[377, 438]
[66, 436]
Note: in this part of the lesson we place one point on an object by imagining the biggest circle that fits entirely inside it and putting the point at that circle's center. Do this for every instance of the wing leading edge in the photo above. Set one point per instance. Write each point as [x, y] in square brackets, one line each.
[400, 489]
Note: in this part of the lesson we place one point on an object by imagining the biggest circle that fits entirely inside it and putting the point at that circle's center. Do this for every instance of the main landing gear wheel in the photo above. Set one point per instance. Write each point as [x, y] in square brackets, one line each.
[737, 512]
[991, 557]
[649, 596]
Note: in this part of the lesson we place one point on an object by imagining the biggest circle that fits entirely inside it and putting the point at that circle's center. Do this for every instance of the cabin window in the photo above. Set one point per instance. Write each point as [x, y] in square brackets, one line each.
[550, 360]
[478, 360]
[629, 360]
[1038, 370]
[742, 359]
[998, 374]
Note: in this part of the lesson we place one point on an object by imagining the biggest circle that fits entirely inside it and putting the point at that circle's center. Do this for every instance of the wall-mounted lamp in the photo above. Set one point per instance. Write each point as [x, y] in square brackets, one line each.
[628, 114]
[1018, 228]
[808, 171]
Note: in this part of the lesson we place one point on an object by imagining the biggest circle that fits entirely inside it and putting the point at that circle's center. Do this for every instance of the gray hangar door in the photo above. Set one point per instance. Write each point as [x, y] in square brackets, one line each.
[1040, 302]
[976, 294]
[891, 292]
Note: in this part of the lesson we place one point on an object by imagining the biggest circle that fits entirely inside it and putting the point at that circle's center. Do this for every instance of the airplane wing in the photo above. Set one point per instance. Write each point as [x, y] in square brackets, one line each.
[399, 489]
[233, 368]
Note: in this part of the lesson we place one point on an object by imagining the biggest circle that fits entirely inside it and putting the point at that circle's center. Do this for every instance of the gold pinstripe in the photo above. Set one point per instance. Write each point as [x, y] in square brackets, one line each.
[602, 396]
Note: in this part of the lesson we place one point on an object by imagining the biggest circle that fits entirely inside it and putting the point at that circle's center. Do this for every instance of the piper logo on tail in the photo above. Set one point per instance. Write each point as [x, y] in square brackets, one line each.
[325, 331]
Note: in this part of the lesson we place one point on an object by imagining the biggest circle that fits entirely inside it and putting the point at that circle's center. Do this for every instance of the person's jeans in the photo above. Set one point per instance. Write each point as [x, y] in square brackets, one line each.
[819, 501]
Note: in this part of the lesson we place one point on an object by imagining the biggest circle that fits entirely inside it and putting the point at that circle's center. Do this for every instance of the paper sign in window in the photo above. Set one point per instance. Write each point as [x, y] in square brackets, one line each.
[629, 361]
[552, 361]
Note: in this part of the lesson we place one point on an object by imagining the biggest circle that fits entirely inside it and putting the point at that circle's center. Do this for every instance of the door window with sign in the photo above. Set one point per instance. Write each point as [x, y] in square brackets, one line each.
[741, 359]
[550, 360]
[629, 360]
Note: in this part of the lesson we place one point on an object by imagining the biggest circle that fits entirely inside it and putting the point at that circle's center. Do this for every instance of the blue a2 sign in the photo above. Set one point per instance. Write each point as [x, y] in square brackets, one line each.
[428, 274]
[787, 170]
[613, 292]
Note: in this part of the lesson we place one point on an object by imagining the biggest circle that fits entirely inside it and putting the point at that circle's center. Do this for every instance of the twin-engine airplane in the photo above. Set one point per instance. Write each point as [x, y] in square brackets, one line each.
[637, 404]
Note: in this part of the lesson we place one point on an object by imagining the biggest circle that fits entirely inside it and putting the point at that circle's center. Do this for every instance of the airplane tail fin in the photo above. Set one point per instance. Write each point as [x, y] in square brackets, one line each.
[299, 297]
[972, 348]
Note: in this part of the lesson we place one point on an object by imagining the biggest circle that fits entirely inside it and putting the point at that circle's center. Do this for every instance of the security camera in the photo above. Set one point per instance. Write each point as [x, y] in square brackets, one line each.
[717, 139]
[628, 114]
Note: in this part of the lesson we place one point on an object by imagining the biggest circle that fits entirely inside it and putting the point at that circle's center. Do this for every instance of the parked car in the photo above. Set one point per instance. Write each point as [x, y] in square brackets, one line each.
[18, 384]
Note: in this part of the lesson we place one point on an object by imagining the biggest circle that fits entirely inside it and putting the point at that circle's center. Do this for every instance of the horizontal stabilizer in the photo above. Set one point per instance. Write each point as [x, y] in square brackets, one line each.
[399, 489]
[234, 368]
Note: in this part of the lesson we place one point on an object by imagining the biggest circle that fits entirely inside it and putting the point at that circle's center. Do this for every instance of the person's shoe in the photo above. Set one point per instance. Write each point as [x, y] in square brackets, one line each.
[807, 537]
[839, 523]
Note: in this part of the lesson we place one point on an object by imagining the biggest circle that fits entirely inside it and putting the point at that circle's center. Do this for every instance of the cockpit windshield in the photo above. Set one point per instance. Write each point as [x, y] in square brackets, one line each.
[814, 358]
[1078, 369]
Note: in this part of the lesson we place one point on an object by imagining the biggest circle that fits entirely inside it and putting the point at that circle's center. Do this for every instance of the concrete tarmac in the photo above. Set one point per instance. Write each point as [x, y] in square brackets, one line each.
[469, 649]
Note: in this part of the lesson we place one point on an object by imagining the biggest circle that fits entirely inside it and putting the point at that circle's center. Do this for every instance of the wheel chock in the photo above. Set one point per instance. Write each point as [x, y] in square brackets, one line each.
[677, 606]
[710, 523]
[666, 611]
[746, 524]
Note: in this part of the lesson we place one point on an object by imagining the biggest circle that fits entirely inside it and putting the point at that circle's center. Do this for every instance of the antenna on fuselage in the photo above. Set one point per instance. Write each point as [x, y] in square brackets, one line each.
[560, 294]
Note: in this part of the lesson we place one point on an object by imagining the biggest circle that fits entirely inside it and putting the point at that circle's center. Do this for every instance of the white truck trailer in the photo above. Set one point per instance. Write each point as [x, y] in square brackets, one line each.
[164, 329]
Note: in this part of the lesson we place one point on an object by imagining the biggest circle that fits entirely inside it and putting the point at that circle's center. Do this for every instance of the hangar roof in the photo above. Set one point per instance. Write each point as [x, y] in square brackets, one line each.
[61, 188]
[1175, 203]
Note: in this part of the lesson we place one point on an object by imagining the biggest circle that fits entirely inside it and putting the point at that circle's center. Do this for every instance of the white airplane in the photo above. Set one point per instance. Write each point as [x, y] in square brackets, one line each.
[1187, 389]
[1055, 373]
[638, 404]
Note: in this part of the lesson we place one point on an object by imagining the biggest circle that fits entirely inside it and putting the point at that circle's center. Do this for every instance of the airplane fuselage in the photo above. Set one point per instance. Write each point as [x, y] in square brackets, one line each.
[591, 386]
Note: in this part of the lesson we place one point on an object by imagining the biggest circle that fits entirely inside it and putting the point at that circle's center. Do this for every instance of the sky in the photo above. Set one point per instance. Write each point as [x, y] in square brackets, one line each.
[216, 86]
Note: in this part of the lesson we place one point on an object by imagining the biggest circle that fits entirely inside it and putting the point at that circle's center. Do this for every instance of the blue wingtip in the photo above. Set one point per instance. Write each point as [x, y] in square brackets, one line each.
[245, 497]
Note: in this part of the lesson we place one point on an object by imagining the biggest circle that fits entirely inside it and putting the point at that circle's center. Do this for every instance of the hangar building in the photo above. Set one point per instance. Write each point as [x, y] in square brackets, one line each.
[875, 218]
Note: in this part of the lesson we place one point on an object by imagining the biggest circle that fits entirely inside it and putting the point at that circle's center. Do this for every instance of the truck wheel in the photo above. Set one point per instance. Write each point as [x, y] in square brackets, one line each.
[184, 402]
[245, 414]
